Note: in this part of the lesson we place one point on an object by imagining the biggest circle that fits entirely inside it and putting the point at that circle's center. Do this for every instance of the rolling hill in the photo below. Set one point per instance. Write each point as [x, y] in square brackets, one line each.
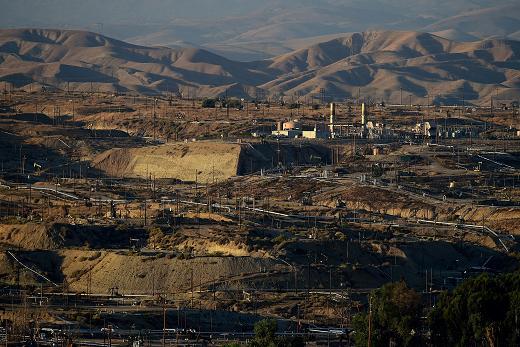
[253, 30]
[498, 21]
[375, 63]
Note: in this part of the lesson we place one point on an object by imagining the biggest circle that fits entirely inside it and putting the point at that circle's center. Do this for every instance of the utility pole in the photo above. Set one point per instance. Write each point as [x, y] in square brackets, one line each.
[491, 105]
[22, 162]
[330, 283]
[164, 324]
[369, 344]
[295, 280]
[145, 212]
[227, 106]
[154, 117]
[424, 124]
[89, 283]
[191, 284]
[426, 282]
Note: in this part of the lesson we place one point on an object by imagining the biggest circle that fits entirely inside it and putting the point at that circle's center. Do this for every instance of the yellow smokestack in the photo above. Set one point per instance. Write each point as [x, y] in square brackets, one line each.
[363, 120]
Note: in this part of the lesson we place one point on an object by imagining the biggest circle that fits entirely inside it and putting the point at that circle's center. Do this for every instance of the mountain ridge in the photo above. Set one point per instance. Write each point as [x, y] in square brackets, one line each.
[379, 62]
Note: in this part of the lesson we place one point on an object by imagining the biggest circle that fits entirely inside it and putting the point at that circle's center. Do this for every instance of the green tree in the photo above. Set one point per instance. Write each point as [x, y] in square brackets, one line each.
[233, 103]
[394, 316]
[265, 336]
[484, 311]
[265, 333]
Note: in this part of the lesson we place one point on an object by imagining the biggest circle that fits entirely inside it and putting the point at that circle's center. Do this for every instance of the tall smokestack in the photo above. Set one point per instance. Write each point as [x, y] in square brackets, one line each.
[363, 120]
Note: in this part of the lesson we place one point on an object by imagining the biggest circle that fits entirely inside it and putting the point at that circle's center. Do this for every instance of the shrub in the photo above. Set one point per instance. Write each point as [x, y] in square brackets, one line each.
[209, 103]
[340, 236]
[280, 239]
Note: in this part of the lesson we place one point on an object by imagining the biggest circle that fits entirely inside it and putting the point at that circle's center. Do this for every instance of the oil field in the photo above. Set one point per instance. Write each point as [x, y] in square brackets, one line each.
[166, 220]
[271, 181]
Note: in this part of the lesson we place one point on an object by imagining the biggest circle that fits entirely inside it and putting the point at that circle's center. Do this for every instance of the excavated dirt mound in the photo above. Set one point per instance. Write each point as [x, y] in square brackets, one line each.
[182, 161]
[205, 161]
[142, 274]
[29, 236]
[34, 236]
[362, 266]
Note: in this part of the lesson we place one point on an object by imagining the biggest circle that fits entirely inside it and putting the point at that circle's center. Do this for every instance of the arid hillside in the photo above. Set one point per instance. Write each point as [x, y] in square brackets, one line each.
[379, 63]
[383, 63]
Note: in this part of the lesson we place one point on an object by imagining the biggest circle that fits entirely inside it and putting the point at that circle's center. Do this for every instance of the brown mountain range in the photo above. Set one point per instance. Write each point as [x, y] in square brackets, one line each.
[379, 64]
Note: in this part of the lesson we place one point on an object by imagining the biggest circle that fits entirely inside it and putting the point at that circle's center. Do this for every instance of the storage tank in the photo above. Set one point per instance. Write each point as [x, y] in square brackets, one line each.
[290, 125]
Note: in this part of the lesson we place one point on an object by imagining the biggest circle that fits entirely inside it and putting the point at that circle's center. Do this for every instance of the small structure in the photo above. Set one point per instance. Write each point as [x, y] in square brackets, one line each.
[294, 129]
[426, 129]
[319, 131]
[287, 133]
[376, 131]
[290, 129]
[291, 125]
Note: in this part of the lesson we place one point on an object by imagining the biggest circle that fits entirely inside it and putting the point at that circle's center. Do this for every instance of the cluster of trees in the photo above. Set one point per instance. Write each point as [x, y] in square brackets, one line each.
[482, 311]
[265, 336]
[209, 103]
[231, 103]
